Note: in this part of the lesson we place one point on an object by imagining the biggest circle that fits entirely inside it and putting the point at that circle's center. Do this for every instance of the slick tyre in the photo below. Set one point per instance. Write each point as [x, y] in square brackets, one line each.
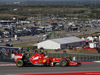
[63, 62]
[19, 63]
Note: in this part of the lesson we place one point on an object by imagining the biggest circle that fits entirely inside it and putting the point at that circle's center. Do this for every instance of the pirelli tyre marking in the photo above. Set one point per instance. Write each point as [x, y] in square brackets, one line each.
[63, 62]
[19, 63]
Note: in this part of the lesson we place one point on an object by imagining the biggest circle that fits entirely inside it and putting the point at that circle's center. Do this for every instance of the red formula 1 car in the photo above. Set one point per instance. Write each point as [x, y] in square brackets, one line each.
[42, 60]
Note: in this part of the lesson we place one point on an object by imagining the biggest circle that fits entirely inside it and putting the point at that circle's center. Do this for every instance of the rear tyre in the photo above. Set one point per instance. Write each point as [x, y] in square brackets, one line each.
[63, 62]
[19, 63]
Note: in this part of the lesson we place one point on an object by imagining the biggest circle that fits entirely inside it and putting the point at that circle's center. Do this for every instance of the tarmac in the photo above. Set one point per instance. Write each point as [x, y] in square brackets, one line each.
[13, 64]
[85, 67]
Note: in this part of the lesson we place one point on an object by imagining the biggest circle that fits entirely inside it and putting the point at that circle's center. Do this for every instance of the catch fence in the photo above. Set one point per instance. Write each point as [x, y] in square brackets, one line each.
[75, 57]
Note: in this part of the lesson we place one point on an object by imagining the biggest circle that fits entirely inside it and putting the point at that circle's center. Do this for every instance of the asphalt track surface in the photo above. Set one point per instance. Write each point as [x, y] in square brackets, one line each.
[85, 67]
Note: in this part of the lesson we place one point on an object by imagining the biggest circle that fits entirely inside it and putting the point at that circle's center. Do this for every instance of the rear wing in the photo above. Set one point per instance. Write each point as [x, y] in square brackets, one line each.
[17, 57]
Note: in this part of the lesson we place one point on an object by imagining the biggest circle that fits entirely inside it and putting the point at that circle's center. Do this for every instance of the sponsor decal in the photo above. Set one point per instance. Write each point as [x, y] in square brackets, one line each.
[44, 61]
[18, 57]
[35, 58]
[32, 57]
[54, 59]
[40, 61]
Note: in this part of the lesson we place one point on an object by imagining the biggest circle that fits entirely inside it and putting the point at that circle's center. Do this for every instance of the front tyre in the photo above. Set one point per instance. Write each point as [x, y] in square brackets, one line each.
[63, 62]
[19, 63]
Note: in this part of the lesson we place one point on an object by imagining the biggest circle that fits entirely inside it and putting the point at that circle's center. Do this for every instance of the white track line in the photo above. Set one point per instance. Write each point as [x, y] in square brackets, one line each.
[7, 64]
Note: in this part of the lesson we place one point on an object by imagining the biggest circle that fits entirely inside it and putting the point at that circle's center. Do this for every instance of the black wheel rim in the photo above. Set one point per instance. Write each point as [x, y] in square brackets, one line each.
[19, 63]
[63, 63]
